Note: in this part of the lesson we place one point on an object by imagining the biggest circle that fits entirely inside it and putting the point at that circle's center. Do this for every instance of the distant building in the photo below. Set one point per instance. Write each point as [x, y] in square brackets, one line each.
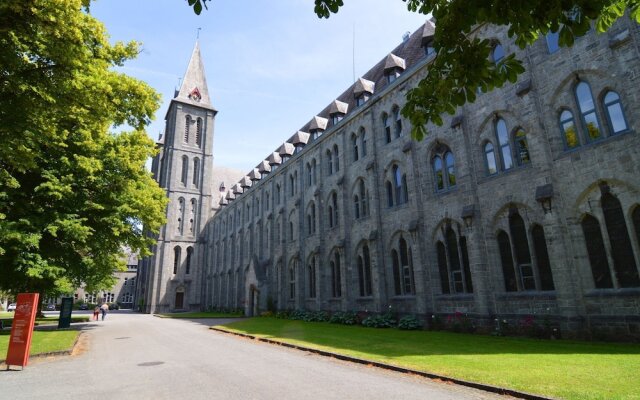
[523, 203]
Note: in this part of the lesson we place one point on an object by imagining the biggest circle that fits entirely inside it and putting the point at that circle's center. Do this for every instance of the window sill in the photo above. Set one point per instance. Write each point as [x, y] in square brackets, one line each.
[510, 171]
[447, 191]
[538, 294]
[456, 296]
[621, 292]
[608, 139]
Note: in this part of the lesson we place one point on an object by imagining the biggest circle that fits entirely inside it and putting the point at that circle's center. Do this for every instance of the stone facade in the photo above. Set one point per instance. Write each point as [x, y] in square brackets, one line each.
[517, 206]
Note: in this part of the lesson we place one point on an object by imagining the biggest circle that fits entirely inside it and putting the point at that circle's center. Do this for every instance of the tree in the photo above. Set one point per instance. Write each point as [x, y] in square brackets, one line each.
[72, 192]
[462, 62]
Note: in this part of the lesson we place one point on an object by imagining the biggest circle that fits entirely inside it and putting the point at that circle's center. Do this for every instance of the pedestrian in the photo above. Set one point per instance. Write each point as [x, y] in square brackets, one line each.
[96, 311]
[103, 308]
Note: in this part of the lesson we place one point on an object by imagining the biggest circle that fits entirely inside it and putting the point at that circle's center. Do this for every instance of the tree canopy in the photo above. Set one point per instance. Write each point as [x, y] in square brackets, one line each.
[73, 193]
[462, 63]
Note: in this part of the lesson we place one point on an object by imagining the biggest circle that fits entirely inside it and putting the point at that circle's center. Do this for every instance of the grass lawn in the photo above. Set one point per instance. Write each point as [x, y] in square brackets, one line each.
[200, 315]
[42, 341]
[562, 369]
[50, 320]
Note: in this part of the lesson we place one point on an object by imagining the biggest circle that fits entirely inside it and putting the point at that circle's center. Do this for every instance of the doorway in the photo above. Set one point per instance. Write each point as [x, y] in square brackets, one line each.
[179, 300]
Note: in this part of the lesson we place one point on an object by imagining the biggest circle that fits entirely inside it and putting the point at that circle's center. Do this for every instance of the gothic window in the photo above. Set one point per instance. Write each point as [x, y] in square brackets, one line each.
[569, 133]
[176, 259]
[336, 159]
[400, 190]
[490, 159]
[363, 142]
[552, 42]
[587, 111]
[185, 170]
[596, 252]
[277, 230]
[503, 143]
[278, 198]
[336, 279]
[364, 199]
[506, 258]
[196, 172]
[522, 254]
[291, 226]
[398, 121]
[386, 121]
[444, 168]
[522, 147]
[187, 126]
[334, 203]
[257, 207]
[292, 280]
[267, 197]
[292, 187]
[192, 216]
[313, 171]
[615, 116]
[180, 215]
[364, 272]
[187, 266]
[311, 219]
[356, 206]
[453, 263]
[309, 175]
[311, 269]
[198, 131]
[389, 188]
[542, 258]
[329, 162]
[354, 146]
[402, 268]
[624, 263]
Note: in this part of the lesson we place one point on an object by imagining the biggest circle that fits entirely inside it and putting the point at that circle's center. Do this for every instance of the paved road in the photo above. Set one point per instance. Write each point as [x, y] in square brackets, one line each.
[134, 356]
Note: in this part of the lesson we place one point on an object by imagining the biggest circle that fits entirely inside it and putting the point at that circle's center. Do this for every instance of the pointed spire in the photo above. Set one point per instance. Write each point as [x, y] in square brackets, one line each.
[194, 84]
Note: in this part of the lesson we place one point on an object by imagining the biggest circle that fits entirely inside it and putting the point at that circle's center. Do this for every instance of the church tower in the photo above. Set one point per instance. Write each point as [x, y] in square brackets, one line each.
[169, 279]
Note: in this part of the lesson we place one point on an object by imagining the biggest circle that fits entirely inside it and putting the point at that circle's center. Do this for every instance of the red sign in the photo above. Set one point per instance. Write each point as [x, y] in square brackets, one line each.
[22, 329]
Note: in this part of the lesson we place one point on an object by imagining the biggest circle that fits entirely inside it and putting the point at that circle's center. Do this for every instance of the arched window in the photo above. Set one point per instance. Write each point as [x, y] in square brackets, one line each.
[176, 259]
[389, 194]
[635, 217]
[398, 121]
[187, 126]
[292, 187]
[292, 280]
[402, 268]
[438, 172]
[542, 258]
[309, 175]
[504, 246]
[198, 131]
[615, 115]
[196, 172]
[522, 147]
[180, 215]
[522, 253]
[569, 133]
[356, 206]
[291, 227]
[313, 170]
[187, 266]
[497, 54]
[442, 267]
[329, 162]
[363, 142]
[333, 209]
[450, 165]
[503, 143]
[278, 193]
[354, 146]
[386, 121]
[588, 111]
[311, 269]
[400, 190]
[336, 279]
[453, 263]
[364, 199]
[624, 262]
[192, 216]
[311, 219]
[185, 170]
[597, 253]
[336, 158]
[364, 272]
[490, 159]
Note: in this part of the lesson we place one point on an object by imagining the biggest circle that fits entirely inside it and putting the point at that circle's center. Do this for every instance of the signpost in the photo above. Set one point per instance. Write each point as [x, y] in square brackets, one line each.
[65, 313]
[23, 321]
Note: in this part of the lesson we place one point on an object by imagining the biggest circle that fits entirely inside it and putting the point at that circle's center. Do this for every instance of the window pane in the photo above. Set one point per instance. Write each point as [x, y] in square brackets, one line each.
[552, 42]
[490, 158]
[593, 128]
[614, 112]
[624, 262]
[522, 148]
[442, 267]
[569, 130]
[507, 262]
[437, 169]
[451, 169]
[542, 256]
[585, 100]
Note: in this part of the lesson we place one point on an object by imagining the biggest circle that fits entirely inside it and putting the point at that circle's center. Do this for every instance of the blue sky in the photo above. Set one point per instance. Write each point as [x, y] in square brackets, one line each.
[271, 65]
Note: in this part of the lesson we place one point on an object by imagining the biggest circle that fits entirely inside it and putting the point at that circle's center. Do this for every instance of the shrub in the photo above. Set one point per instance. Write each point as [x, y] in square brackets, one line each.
[409, 323]
[317, 316]
[344, 318]
[283, 314]
[379, 321]
[298, 315]
[266, 314]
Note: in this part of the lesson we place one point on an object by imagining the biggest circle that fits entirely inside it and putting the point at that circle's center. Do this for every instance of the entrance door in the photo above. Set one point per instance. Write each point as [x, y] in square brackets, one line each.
[179, 300]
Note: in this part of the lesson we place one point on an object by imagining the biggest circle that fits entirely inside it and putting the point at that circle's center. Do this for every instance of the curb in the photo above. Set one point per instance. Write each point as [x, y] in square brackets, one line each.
[475, 385]
[169, 317]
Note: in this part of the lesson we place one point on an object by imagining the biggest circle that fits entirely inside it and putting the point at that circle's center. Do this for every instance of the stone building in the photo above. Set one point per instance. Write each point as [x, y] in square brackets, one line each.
[525, 202]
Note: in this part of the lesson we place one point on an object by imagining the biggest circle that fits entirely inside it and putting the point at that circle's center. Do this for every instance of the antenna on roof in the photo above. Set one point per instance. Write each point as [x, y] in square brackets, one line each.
[354, 51]
[198, 33]
[405, 37]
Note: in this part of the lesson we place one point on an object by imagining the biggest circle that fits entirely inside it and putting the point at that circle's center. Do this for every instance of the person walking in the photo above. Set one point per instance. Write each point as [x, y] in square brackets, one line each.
[103, 309]
[96, 311]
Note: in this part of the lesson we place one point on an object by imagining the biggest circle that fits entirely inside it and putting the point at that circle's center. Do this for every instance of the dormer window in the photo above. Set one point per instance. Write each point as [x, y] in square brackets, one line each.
[429, 49]
[316, 133]
[392, 75]
[361, 99]
[335, 118]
